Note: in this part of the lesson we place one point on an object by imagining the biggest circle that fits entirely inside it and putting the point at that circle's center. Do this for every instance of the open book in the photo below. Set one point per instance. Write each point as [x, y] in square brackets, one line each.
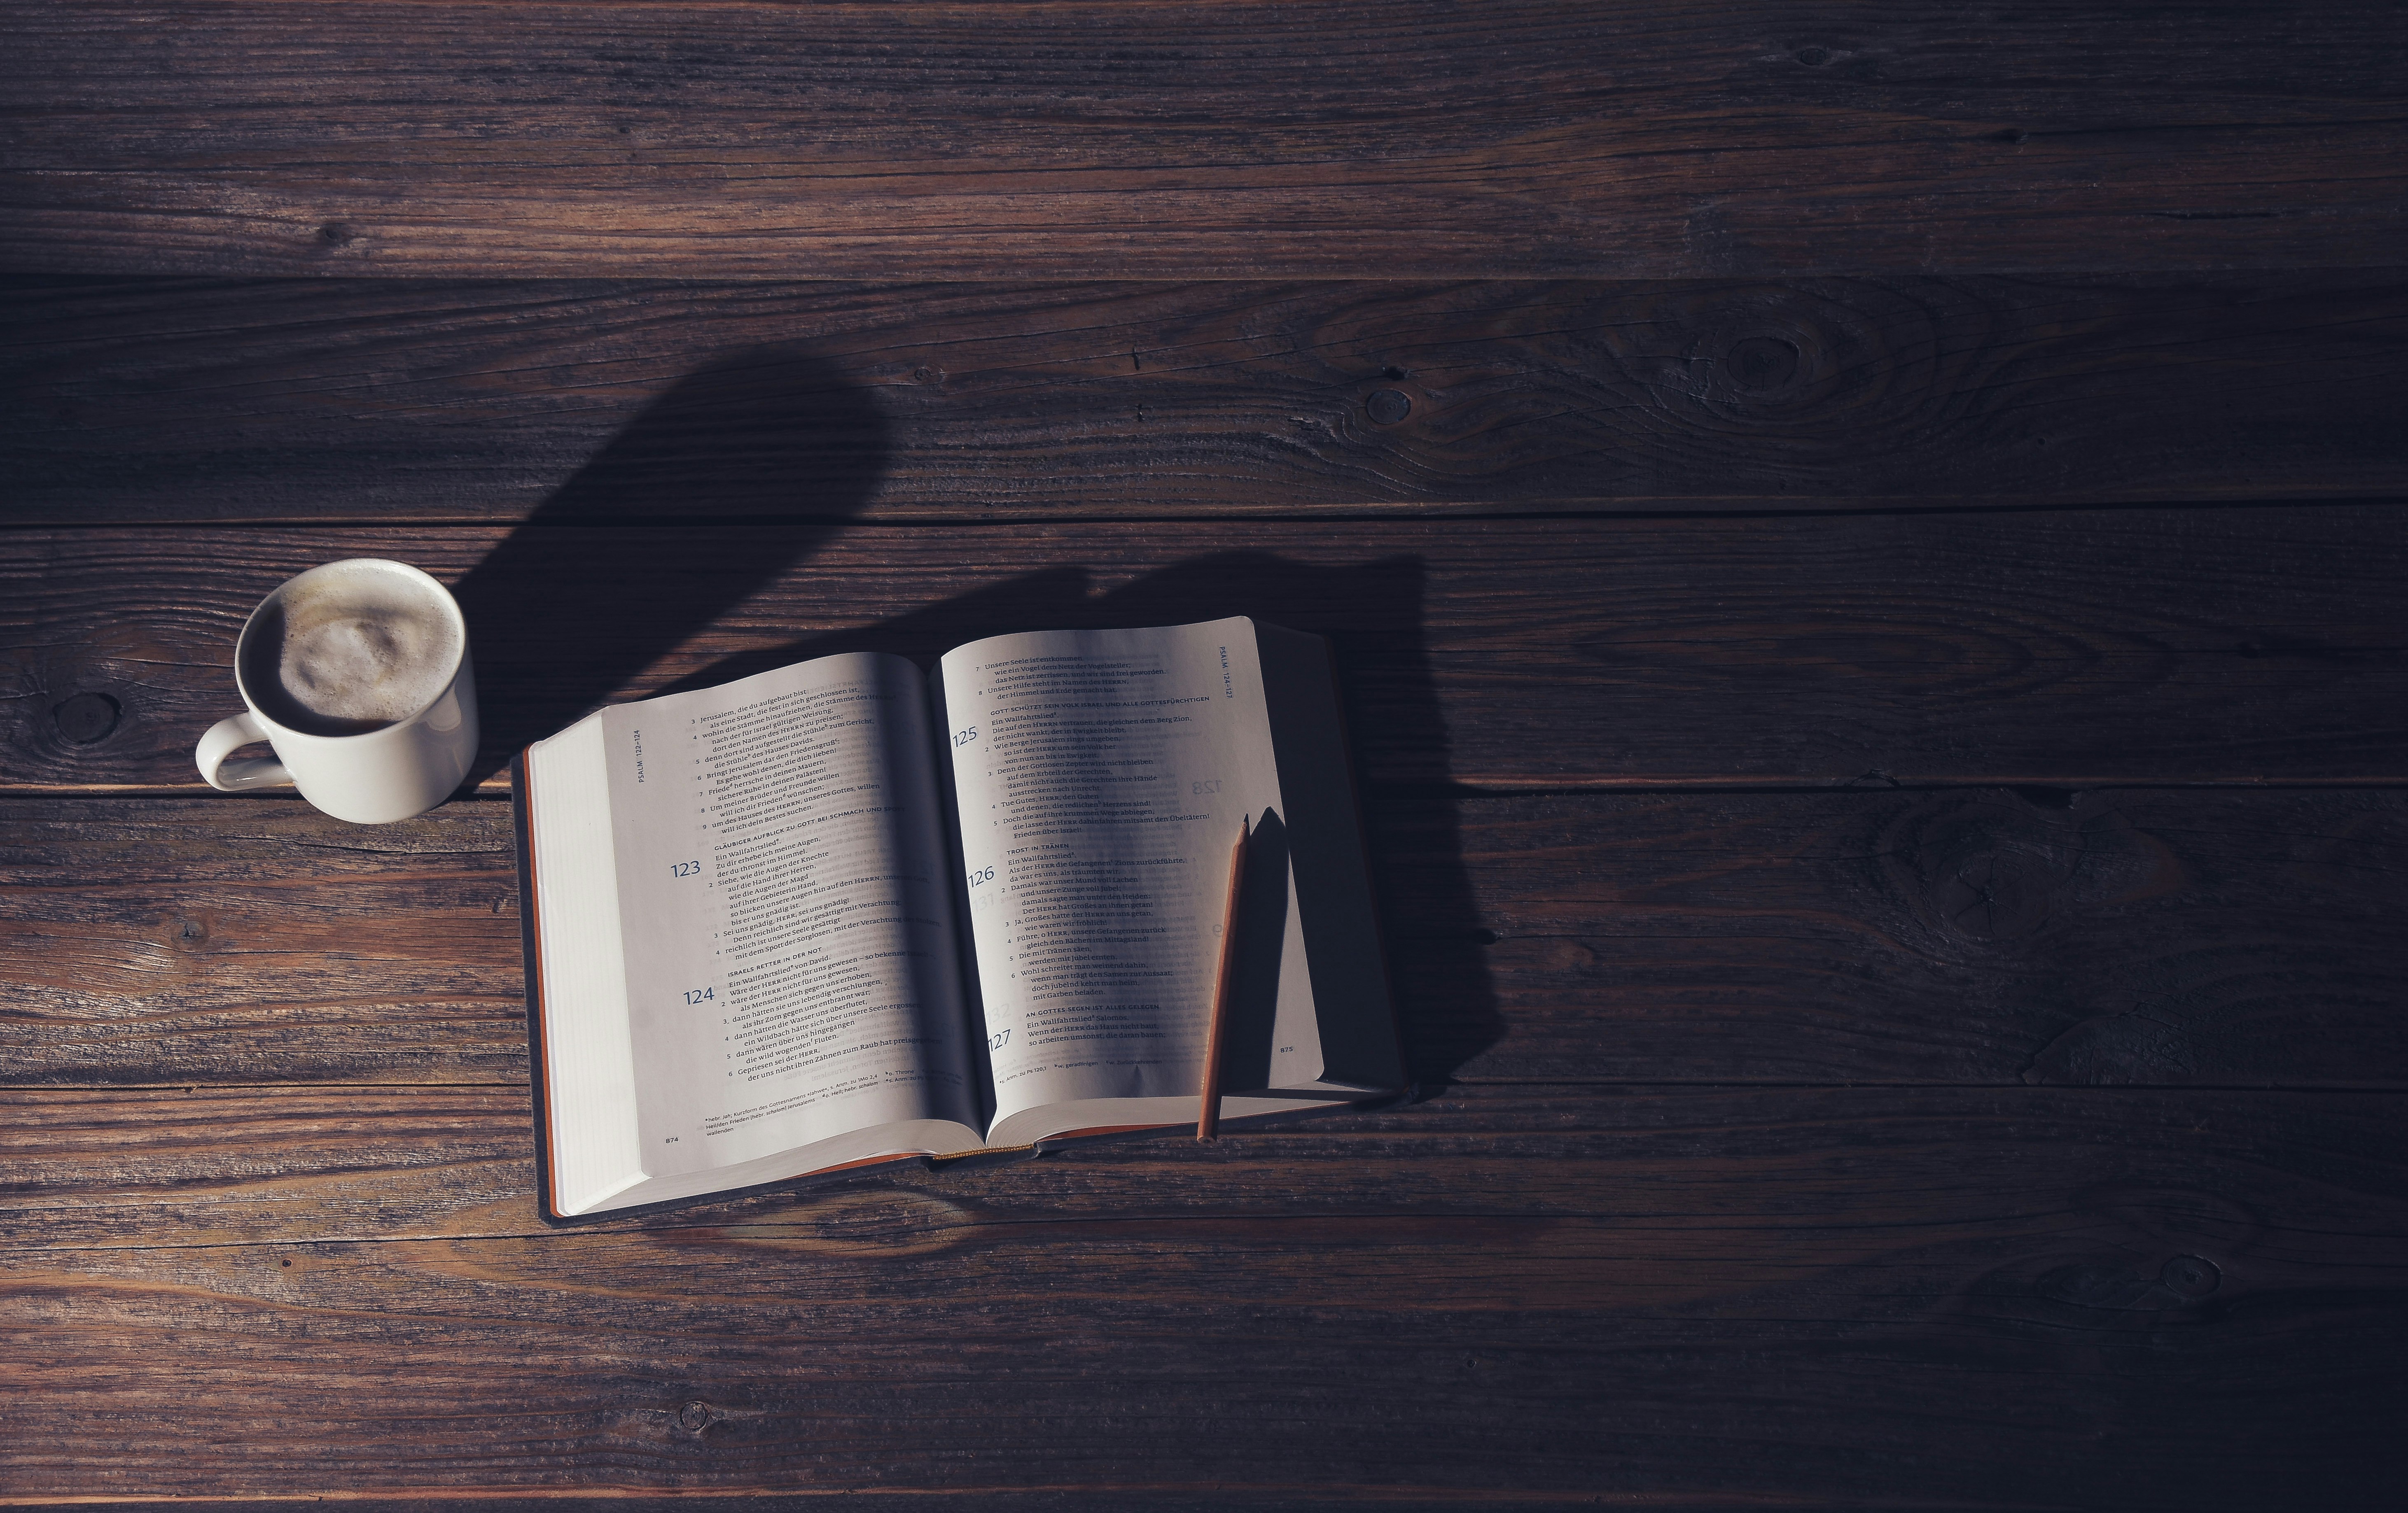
[845, 912]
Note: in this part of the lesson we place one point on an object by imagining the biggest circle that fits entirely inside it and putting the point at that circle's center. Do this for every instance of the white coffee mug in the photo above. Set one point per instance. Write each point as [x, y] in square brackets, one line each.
[377, 761]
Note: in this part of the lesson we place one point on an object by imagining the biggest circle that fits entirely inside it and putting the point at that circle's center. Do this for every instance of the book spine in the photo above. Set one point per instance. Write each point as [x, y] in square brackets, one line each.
[530, 948]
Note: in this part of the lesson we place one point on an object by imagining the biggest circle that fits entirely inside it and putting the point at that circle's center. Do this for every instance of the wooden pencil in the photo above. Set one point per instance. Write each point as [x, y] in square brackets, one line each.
[1207, 1101]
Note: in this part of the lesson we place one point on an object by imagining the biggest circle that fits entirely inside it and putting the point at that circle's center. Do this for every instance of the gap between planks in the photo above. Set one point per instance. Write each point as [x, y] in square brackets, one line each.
[498, 788]
[1671, 508]
[1453, 1086]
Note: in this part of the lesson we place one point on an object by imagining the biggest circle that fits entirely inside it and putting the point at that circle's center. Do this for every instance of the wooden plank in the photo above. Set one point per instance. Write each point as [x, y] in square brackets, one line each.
[358, 400]
[2034, 936]
[1974, 1298]
[1234, 139]
[260, 943]
[2075, 648]
[1950, 937]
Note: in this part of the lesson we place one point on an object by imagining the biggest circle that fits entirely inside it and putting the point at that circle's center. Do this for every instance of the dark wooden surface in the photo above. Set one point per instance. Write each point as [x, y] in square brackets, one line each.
[1867, 551]
[1947, 936]
[1108, 138]
[350, 400]
[2060, 647]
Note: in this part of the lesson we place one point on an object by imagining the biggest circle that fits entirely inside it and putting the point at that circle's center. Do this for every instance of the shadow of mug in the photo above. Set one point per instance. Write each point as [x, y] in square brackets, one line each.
[774, 437]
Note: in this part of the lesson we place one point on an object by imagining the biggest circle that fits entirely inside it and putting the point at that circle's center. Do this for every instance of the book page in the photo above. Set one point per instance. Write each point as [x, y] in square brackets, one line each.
[1101, 777]
[792, 973]
[586, 1080]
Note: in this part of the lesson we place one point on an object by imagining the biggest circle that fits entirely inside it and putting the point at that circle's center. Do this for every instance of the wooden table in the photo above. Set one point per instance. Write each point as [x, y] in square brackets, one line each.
[1867, 552]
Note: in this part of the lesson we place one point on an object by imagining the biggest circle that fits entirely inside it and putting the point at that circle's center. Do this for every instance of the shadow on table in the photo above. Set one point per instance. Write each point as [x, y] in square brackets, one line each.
[632, 557]
[728, 483]
[1372, 614]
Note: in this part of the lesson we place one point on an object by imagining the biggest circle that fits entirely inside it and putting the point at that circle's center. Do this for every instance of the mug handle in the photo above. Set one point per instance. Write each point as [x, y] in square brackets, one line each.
[251, 772]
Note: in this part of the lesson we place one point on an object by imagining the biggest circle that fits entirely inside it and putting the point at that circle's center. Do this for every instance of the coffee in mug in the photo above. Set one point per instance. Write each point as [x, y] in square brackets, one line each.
[351, 647]
[357, 673]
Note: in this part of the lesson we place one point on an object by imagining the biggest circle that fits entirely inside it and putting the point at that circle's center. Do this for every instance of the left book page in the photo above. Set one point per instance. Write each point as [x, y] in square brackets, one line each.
[745, 938]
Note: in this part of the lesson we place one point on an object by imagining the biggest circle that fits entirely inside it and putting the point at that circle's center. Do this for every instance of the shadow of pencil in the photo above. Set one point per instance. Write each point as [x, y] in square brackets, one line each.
[1262, 939]
[773, 436]
[724, 484]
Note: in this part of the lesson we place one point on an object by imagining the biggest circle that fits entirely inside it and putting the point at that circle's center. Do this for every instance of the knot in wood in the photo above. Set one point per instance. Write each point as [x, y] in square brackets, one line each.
[2191, 1277]
[694, 1417]
[86, 718]
[2108, 1285]
[1997, 895]
[1761, 364]
[1988, 868]
[1781, 356]
[1389, 406]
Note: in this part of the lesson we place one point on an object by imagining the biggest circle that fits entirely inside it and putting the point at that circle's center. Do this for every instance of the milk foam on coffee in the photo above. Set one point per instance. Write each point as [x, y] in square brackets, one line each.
[350, 648]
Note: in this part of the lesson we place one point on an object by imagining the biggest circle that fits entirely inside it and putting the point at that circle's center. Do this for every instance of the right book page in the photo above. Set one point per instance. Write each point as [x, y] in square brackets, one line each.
[1101, 776]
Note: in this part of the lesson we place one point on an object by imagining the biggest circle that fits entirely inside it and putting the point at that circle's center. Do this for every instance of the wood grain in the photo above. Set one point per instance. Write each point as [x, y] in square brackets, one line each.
[2074, 647]
[1690, 423]
[1232, 139]
[262, 943]
[1953, 937]
[2115, 937]
[348, 400]
[1980, 1297]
